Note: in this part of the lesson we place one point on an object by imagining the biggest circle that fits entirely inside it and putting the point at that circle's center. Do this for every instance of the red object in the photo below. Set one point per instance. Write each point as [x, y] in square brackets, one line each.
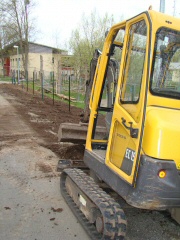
[7, 66]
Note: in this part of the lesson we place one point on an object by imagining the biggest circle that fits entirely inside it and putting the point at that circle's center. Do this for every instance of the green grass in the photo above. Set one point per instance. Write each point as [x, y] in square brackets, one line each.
[6, 79]
[78, 104]
[79, 96]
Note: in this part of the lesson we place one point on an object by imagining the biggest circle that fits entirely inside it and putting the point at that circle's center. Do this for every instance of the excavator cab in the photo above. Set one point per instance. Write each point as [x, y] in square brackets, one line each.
[139, 154]
[120, 151]
[140, 158]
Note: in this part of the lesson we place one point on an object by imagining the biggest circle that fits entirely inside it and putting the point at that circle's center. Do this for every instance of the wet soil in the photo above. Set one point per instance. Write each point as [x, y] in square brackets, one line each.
[31, 204]
[45, 118]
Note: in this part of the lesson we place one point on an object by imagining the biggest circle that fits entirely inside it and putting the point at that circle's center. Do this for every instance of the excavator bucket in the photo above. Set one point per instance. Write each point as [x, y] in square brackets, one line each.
[76, 133]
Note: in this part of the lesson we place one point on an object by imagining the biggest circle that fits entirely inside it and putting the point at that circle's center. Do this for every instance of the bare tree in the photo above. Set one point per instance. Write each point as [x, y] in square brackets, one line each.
[17, 24]
[84, 40]
[88, 37]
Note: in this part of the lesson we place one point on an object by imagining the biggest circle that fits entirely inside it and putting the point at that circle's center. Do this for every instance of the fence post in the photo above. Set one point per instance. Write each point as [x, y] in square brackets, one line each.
[42, 76]
[59, 78]
[17, 77]
[27, 83]
[22, 83]
[42, 86]
[69, 93]
[78, 82]
[53, 86]
[33, 81]
[13, 77]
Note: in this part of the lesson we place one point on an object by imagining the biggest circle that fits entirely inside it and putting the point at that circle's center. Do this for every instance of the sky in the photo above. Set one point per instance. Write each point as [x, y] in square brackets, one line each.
[56, 19]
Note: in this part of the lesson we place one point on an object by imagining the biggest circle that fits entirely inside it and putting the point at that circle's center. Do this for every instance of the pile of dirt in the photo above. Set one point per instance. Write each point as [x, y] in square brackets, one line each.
[45, 118]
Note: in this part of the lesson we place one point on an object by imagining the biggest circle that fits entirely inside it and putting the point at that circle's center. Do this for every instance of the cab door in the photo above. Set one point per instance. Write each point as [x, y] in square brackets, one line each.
[126, 132]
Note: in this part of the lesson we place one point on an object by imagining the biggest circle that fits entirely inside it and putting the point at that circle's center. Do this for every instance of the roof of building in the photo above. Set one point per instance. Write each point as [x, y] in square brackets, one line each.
[36, 47]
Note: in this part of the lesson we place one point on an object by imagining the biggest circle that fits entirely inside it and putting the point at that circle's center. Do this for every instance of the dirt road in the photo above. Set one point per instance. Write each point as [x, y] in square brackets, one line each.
[31, 206]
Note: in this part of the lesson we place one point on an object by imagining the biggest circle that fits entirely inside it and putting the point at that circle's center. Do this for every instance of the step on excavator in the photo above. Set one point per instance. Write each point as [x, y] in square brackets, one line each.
[136, 153]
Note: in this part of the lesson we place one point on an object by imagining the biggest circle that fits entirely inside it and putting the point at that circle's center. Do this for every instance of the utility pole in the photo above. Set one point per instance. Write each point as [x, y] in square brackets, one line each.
[17, 47]
[174, 8]
[26, 27]
[162, 6]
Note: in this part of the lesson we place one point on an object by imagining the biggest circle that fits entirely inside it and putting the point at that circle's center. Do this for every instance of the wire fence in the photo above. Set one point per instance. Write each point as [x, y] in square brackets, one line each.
[63, 86]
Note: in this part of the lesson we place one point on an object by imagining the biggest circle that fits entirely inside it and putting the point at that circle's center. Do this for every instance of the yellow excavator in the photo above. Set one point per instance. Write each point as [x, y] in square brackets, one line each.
[137, 154]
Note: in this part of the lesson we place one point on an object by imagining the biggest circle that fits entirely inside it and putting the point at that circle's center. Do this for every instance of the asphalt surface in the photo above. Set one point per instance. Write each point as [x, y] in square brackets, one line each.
[31, 206]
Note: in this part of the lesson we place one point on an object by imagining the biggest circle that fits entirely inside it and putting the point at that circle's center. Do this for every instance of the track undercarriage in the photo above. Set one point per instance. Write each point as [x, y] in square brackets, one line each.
[100, 215]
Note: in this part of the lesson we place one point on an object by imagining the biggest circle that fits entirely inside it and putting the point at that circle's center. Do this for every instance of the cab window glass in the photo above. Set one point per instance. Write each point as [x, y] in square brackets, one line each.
[165, 79]
[134, 65]
[109, 88]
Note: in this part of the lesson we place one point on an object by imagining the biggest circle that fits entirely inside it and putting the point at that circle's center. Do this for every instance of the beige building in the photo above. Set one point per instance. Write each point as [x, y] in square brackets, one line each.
[41, 58]
[175, 69]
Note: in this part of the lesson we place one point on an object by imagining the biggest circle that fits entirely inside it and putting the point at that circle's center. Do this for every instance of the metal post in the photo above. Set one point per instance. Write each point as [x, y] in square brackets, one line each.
[12, 78]
[42, 76]
[69, 93]
[42, 85]
[53, 86]
[22, 83]
[33, 81]
[18, 62]
[17, 47]
[162, 6]
[174, 9]
[78, 82]
[27, 82]
[59, 89]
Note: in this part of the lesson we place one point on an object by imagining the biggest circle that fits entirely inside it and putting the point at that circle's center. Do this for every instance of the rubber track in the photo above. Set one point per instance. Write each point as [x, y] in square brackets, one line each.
[113, 216]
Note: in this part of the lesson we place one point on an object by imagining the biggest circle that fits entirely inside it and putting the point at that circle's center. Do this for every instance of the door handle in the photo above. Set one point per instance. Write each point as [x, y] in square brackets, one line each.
[133, 131]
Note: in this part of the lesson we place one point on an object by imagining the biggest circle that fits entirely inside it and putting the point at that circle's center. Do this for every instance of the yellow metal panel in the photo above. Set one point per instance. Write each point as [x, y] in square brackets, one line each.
[120, 140]
[162, 134]
[163, 102]
[163, 20]
[119, 143]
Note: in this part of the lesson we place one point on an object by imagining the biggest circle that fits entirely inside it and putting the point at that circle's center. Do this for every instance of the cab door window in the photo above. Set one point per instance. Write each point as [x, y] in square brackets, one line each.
[135, 56]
